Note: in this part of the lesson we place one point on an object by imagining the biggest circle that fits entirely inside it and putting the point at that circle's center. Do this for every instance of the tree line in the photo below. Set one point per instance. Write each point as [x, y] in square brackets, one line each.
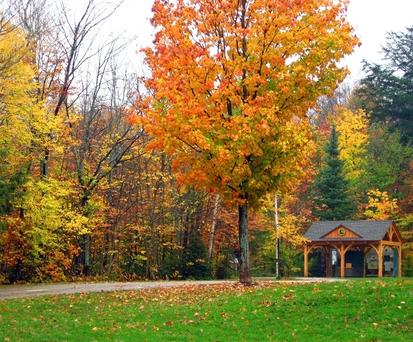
[173, 176]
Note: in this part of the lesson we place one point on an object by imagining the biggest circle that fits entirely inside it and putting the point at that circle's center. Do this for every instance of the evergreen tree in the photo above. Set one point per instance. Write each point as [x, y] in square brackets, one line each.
[387, 90]
[194, 259]
[332, 201]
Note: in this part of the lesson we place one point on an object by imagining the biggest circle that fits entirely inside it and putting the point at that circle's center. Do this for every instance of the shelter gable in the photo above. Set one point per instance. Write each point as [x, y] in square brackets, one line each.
[393, 234]
[341, 232]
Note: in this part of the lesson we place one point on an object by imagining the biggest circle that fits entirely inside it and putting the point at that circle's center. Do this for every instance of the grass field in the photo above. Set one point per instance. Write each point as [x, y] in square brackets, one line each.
[358, 310]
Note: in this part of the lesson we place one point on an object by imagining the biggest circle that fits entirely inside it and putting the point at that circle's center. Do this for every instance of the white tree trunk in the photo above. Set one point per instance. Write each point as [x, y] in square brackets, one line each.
[277, 242]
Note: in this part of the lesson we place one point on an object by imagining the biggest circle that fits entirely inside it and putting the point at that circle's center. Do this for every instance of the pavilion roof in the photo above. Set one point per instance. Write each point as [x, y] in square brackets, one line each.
[367, 230]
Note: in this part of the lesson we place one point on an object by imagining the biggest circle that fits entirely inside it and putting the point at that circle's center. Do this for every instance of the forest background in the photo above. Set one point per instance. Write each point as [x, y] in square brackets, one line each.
[81, 195]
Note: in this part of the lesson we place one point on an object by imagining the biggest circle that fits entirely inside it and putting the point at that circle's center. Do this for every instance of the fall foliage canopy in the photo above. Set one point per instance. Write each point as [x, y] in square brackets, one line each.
[232, 83]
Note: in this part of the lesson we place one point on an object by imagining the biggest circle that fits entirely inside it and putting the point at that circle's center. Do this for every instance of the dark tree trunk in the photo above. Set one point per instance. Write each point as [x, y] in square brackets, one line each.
[44, 165]
[86, 255]
[85, 252]
[244, 262]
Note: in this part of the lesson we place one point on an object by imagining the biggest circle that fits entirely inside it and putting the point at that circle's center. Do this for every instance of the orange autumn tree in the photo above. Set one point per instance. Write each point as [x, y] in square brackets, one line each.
[231, 85]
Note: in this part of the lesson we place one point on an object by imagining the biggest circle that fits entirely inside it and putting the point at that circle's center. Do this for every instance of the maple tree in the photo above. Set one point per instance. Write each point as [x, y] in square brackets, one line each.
[231, 84]
[380, 206]
[352, 127]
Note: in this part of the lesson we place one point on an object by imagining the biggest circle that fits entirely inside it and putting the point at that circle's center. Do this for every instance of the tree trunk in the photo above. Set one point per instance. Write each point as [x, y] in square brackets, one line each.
[85, 252]
[44, 165]
[213, 226]
[277, 240]
[244, 262]
[86, 255]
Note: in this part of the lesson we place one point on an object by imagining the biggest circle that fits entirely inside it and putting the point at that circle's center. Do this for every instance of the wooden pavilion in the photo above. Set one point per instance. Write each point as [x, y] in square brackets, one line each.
[355, 248]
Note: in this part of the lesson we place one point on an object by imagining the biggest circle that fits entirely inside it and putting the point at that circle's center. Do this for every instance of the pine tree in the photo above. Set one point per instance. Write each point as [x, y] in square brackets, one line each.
[387, 89]
[333, 201]
[194, 261]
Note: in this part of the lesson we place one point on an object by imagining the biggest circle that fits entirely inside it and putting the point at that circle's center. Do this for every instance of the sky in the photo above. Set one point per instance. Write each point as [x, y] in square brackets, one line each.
[371, 20]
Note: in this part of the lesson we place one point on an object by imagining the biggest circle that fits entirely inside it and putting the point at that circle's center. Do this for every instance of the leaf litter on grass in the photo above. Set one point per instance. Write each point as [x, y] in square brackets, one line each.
[268, 310]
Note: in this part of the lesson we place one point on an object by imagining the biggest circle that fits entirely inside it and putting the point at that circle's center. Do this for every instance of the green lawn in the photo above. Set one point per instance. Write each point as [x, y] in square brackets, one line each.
[358, 310]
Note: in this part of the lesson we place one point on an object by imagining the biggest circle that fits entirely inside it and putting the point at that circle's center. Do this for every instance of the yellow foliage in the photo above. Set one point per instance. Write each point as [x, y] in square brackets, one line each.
[49, 214]
[290, 228]
[290, 225]
[16, 87]
[380, 206]
[352, 127]
[26, 128]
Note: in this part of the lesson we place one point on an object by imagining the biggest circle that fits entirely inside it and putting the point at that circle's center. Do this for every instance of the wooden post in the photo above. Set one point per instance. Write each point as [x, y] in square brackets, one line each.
[380, 257]
[328, 271]
[342, 261]
[364, 249]
[305, 261]
[399, 265]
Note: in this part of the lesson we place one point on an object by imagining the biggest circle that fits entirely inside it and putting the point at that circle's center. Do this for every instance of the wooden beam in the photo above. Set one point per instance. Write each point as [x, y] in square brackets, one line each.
[342, 257]
[347, 248]
[380, 257]
[306, 251]
[391, 232]
[391, 243]
[336, 247]
[397, 233]
[376, 249]
[310, 248]
[399, 264]
[364, 249]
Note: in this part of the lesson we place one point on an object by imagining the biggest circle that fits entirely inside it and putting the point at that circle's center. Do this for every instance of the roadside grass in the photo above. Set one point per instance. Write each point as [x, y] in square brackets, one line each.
[355, 310]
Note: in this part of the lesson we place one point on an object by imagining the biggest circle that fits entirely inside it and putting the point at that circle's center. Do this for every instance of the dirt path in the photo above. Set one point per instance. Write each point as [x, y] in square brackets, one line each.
[21, 291]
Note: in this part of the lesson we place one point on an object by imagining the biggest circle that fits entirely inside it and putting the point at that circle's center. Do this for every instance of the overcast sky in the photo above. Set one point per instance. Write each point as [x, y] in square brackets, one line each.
[370, 18]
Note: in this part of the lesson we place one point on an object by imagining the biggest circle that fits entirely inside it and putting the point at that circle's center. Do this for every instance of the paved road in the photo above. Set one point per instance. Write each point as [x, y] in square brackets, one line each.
[32, 290]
